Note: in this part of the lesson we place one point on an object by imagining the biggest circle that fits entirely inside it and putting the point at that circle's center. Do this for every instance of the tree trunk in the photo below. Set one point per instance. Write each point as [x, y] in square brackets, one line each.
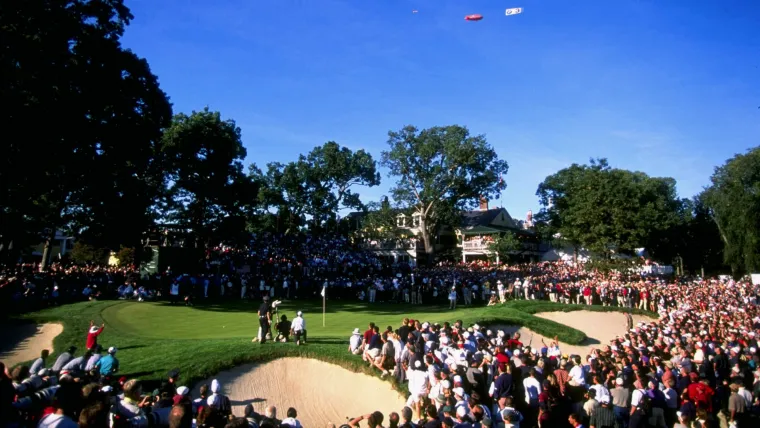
[46, 251]
[426, 240]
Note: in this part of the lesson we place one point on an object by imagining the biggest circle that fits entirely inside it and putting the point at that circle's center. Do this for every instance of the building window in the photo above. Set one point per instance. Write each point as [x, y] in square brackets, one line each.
[401, 220]
[416, 220]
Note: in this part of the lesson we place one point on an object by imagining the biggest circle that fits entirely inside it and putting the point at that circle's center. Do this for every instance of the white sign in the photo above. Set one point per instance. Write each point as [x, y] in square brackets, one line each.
[755, 279]
[513, 11]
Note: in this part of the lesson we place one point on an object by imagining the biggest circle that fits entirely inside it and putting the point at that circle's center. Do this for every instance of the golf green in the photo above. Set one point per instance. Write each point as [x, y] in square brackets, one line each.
[238, 319]
[155, 337]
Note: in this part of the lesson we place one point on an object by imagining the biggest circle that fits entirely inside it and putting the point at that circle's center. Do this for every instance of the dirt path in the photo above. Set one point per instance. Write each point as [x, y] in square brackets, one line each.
[320, 392]
[23, 342]
[599, 327]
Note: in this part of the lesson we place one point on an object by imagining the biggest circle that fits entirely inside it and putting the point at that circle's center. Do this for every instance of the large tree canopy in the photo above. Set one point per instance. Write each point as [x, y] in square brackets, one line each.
[440, 171]
[210, 193]
[318, 184]
[90, 167]
[733, 200]
[603, 209]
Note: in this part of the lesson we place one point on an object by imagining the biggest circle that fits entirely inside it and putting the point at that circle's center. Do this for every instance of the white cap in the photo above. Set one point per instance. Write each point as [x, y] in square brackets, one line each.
[458, 391]
[445, 384]
[183, 390]
[112, 350]
[461, 411]
[299, 313]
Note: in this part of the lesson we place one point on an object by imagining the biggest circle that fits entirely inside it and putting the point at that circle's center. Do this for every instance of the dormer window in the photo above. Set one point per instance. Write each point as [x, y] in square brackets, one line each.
[416, 220]
[401, 220]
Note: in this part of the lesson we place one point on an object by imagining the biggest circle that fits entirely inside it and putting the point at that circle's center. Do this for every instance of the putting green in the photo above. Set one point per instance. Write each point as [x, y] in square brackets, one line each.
[238, 319]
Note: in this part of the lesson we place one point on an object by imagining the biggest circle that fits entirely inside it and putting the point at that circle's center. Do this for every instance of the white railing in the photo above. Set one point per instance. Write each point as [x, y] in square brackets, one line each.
[475, 244]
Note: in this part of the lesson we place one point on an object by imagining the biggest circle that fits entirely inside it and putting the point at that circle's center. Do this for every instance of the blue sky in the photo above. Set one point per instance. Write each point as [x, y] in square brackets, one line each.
[668, 87]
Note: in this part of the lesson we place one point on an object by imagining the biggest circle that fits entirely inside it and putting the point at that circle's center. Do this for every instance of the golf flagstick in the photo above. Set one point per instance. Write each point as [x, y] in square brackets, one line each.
[324, 302]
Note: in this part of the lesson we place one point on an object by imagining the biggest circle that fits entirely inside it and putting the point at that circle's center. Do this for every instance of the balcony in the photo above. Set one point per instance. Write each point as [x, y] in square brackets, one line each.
[401, 244]
[475, 245]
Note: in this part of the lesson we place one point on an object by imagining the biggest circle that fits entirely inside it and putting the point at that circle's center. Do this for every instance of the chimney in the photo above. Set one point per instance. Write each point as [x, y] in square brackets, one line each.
[483, 204]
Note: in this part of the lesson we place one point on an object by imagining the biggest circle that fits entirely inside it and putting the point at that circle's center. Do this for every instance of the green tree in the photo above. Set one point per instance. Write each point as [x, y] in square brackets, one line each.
[604, 209]
[88, 254]
[733, 202]
[379, 222]
[702, 244]
[330, 172]
[210, 194]
[505, 246]
[318, 184]
[126, 256]
[91, 168]
[282, 188]
[439, 172]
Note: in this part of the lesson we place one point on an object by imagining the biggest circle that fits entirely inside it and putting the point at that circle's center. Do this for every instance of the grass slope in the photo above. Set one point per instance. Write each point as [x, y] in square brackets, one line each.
[154, 338]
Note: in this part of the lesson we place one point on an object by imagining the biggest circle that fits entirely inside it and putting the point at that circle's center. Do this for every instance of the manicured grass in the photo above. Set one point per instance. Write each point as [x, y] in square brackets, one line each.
[154, 338]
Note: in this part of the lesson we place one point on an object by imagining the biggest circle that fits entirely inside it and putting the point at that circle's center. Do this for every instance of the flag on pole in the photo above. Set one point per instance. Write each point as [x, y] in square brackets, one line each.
[513, 11]
[324, 303]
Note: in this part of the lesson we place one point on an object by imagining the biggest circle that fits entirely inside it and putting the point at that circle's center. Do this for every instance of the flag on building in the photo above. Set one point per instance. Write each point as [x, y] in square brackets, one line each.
[514, 11]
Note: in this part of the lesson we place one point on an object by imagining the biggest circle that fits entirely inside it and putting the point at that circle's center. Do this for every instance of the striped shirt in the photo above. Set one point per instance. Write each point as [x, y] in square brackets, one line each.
[602, 417]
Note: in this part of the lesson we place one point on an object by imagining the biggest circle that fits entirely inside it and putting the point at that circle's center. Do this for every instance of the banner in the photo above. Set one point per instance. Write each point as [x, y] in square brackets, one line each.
[514, 11]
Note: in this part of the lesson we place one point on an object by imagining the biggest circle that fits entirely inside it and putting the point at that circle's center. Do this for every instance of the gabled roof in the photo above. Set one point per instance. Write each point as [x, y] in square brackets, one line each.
[487, 218]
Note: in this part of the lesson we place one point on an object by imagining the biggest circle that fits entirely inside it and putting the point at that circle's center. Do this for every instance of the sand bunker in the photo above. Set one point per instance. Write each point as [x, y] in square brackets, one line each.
[319, 391]
[24, 342]
[599, 327]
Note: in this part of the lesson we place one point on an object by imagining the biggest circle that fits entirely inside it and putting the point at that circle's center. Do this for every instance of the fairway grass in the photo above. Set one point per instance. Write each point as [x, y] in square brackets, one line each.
[155, 337]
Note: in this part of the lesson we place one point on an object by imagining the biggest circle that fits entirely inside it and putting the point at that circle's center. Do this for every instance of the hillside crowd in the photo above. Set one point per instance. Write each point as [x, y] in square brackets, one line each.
[300, 266]
[696, 366]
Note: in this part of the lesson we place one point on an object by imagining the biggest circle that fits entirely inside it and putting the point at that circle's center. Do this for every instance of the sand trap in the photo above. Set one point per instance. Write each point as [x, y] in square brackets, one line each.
[24, 342]
[320, 392]
[599, 327]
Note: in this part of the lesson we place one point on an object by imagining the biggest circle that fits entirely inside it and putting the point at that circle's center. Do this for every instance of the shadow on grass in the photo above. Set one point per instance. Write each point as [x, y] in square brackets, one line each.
[133, 375]
[124, 348]
[13, 333]
[247, 402]
[325, 341]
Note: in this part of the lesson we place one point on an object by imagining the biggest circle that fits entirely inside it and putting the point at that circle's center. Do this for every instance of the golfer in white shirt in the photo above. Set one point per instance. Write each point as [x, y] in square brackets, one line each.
[298, 325]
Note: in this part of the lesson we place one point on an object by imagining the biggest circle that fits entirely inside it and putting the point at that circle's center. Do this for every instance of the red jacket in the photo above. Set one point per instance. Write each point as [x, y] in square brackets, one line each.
[92, 338]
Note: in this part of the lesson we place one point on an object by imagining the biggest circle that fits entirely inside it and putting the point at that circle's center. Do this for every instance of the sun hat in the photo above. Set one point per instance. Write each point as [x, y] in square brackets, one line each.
[356, 331]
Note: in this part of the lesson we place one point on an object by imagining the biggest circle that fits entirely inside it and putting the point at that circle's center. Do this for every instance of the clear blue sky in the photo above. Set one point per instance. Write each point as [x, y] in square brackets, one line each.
[668, 87]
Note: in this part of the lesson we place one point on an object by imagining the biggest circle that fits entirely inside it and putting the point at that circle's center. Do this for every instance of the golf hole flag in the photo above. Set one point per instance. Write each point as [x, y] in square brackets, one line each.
[514, 11]
[324, 291]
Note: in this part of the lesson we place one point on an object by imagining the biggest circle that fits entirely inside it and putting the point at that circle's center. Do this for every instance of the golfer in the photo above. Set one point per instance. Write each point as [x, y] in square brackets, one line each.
[265, 319]
[299, 328]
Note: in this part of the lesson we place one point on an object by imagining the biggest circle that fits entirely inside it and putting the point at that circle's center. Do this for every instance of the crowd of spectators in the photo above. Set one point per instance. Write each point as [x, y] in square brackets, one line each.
[697, 365]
